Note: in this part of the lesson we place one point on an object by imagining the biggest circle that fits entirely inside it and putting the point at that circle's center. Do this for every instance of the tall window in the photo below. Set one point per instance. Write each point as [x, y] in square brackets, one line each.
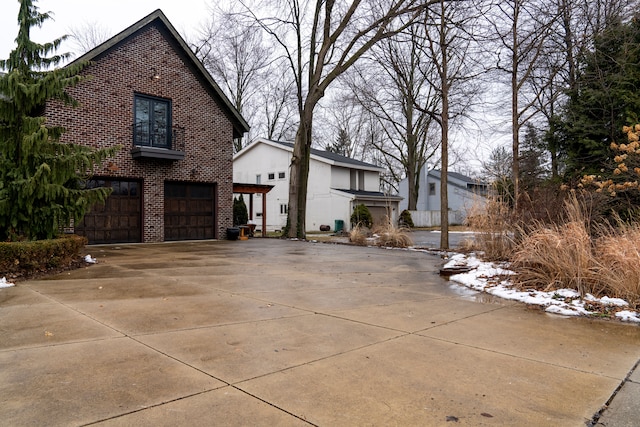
[432, 188]
[152, 122]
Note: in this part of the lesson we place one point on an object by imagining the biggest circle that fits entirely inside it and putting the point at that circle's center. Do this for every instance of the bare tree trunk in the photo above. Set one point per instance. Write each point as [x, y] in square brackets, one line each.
[444, 177]
[444, 127]
[412, 176]
[299, 178]
[515, 128]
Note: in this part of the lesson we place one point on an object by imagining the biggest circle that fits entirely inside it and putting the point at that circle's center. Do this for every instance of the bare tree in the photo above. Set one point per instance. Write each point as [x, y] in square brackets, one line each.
[88, 35]
[278, 119]
[523, 28]
[346, 116]
[496, 170]
[391, 86]
[321, 40]
[450, 29]
[234, 52]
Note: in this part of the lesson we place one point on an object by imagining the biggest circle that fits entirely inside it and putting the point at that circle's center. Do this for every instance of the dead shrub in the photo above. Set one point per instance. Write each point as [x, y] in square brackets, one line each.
[568, 255]
[619, 255]
[494, 232]
[556, 258]
[541, 204]
[391, 236]
[359, 235]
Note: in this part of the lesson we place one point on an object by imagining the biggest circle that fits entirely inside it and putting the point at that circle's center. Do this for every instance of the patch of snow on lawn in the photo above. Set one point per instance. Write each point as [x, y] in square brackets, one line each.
[493, 279]
[90, 260]
[628, 316]
[5, 284]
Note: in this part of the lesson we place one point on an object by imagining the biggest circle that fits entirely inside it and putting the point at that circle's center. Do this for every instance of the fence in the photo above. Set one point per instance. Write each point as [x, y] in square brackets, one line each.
[432, 218]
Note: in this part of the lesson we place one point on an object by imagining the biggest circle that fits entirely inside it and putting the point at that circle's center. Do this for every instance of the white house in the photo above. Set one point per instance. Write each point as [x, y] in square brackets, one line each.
[463, 194]
[337, 184]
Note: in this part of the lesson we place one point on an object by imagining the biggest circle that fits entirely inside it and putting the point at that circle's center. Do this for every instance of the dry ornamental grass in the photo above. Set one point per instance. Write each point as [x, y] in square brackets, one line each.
[391, 236]
[571, 253]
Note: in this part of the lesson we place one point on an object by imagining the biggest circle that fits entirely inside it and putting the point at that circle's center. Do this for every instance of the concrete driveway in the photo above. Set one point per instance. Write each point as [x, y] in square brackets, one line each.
[273, 332]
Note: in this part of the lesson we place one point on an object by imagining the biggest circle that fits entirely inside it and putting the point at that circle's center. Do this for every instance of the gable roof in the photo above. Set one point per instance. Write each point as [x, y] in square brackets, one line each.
[240, 126]
[460, 177]
[323, 156]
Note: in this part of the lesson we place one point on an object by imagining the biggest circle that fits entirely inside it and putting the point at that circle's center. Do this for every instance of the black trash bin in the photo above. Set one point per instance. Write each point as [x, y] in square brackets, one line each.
[233, 233]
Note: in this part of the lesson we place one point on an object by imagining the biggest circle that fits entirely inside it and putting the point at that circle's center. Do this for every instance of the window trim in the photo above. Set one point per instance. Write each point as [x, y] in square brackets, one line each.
[169, 118]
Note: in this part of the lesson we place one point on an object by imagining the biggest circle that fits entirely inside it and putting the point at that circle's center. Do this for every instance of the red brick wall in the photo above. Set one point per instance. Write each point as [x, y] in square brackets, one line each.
[105, 118]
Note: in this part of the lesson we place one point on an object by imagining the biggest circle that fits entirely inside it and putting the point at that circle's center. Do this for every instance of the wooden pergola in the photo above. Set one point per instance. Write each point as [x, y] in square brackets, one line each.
[252, 189]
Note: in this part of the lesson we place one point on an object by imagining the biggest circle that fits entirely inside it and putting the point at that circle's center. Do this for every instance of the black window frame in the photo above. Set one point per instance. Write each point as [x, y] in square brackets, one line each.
[143, 136]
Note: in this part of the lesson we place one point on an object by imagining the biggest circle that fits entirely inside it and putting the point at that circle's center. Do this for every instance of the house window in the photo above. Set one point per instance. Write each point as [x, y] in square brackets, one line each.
[272, 176]
[432, 188]
[284, 208]
[152, 122]
[280, 175]
[258, 179]
[361, 180]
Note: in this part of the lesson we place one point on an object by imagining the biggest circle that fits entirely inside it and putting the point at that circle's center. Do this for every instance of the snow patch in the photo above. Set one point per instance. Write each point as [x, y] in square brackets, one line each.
[493, 278]
[5, 284]
[628, 316]
[90, 260]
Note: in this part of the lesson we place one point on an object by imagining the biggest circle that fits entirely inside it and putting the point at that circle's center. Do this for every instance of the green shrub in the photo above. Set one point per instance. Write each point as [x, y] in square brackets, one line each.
[362, 216]
[38, 255]
[405, 219]
[240, 214]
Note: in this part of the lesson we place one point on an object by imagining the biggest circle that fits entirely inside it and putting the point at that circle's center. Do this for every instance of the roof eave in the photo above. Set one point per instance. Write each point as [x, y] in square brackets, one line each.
[240, 126]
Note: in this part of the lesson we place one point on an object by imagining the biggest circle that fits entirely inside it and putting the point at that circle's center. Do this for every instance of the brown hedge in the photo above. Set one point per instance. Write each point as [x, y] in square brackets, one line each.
[23, 258]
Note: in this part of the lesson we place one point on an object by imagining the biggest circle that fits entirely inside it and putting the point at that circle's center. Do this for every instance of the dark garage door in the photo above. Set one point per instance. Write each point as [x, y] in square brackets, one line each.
[119, 219]
[189, 211]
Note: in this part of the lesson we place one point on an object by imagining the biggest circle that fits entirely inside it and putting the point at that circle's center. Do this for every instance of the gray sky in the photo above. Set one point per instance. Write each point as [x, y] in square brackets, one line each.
[116, 15]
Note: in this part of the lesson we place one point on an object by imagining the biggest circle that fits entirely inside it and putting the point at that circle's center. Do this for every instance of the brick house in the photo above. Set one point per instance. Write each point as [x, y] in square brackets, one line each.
[172, 179]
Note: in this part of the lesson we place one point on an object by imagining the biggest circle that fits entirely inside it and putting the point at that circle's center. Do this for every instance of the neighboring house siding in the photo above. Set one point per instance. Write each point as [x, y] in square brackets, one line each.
[105, 118]
[341, 177]
[270, 161]
[327, 200]
[427, 213]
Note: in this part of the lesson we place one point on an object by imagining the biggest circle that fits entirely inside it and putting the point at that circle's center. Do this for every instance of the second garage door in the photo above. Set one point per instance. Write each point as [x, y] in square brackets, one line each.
[189, 211]
[117, 220]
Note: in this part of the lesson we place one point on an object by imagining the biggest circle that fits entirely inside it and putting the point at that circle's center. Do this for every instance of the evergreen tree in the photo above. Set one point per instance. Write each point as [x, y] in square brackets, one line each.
[41, 179]
[361, 216]
[240, 213]
[342, 145]
[605, 98]
[532, 159]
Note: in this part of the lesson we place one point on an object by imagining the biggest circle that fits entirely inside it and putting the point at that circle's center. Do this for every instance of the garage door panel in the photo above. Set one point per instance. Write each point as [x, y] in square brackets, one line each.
[118, 220]
[189, 211]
